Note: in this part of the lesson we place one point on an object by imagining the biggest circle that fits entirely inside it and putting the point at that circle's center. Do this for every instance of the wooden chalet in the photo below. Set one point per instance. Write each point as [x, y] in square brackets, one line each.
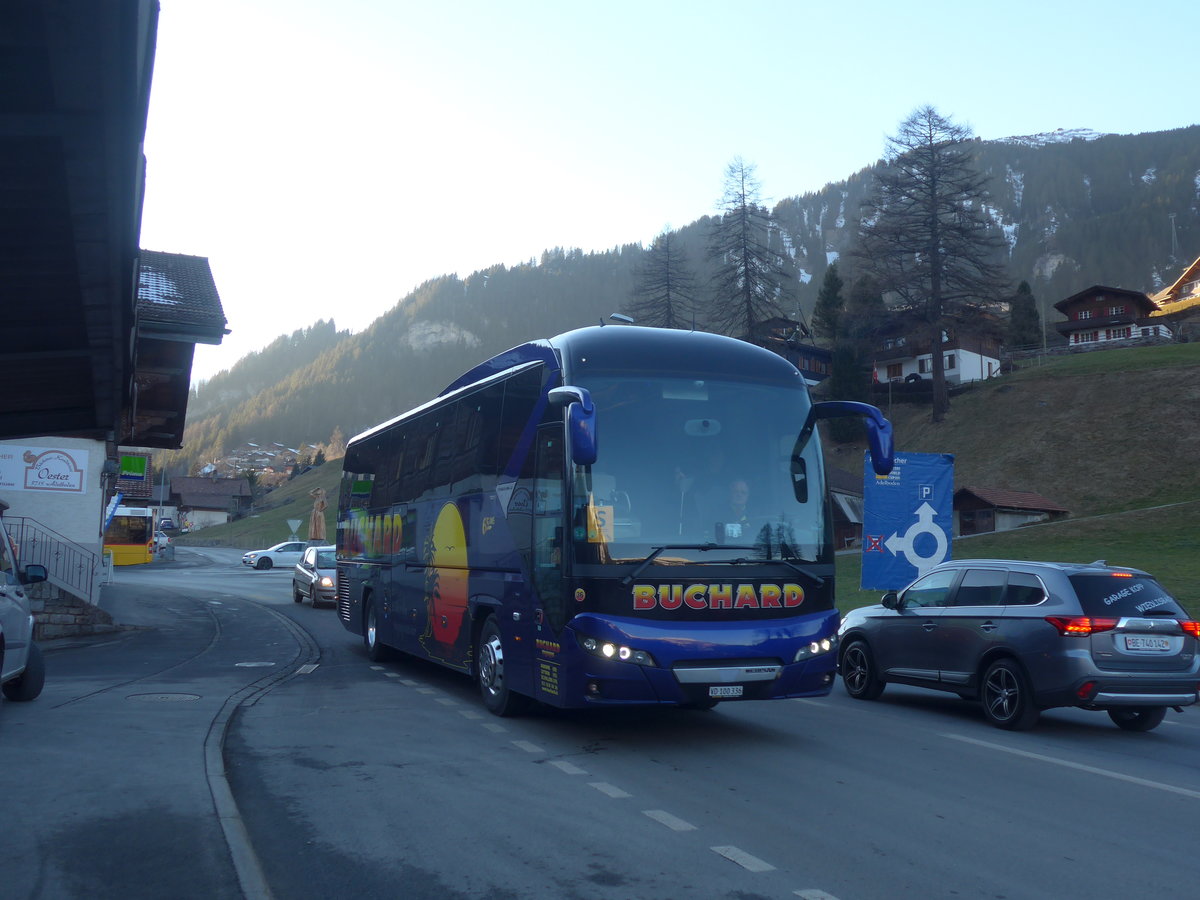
[983, 510]
[1179, 303]
[1102, 314]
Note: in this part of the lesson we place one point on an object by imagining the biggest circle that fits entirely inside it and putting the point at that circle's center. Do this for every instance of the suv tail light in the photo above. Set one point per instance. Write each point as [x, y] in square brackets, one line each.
[1080, 626]
[1192, 628]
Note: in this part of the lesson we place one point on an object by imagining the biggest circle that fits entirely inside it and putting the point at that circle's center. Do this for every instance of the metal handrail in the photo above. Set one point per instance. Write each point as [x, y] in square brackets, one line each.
[68, 565]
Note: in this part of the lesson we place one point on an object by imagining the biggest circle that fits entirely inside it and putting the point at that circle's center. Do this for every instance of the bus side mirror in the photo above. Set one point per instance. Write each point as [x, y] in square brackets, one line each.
[581, 421]
[879, 429]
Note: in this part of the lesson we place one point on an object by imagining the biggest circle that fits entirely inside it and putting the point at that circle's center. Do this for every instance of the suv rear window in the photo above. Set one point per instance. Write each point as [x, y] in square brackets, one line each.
[1117, 595]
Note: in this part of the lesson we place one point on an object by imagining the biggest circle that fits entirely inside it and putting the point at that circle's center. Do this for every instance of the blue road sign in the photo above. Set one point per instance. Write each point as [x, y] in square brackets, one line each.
[907, 519]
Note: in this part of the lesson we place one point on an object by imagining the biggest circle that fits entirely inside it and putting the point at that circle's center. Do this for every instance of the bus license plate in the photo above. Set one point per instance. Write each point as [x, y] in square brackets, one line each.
[725, 690]
[1138, 642]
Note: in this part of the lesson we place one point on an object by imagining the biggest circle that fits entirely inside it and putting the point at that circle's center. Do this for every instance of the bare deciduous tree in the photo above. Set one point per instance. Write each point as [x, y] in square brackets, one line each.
[748, 275]
[924, 235]
[665, 293]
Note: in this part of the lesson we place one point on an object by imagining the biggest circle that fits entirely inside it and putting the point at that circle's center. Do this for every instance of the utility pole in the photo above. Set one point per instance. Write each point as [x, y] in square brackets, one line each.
[1174, 238]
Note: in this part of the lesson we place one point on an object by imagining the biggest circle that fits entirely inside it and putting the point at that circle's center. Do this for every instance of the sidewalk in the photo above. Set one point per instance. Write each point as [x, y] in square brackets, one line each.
[111, 777]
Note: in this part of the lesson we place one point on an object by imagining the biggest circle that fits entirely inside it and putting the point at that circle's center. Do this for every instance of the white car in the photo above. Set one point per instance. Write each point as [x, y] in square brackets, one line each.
[22, 672]
[286, 554]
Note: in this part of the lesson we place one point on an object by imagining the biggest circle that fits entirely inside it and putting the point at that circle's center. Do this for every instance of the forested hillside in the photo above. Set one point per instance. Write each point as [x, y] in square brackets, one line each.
[1074, 213]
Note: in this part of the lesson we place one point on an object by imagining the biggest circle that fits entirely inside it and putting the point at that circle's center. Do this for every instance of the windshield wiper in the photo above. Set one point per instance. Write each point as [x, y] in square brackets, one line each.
[737, 561]
[659, 549]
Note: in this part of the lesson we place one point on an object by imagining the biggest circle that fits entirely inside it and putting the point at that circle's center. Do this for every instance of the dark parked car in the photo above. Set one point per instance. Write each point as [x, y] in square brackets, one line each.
[315, 577]
[1021, 637]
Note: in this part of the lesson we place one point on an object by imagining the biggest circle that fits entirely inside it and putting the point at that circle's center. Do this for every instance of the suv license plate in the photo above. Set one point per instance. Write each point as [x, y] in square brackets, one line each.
[1138, 642]
[728, 690]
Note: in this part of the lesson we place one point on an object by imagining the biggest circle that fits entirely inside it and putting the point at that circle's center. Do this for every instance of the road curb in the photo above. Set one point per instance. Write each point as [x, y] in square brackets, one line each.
[246, 864]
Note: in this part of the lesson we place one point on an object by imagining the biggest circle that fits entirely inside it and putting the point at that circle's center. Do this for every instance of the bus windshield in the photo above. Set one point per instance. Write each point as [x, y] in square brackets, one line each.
[699, 471]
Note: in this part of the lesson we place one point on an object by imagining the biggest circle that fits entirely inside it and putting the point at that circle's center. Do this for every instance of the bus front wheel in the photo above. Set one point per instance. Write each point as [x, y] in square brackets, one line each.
[489, 669]
[376, 651]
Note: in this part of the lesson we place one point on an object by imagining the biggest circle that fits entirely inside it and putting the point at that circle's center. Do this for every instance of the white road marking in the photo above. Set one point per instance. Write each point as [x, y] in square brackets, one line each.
[408, 682]
[426, 690]
[814, 894]
[809, 701]
[392, 674]
[610, 789]
[665, 818]
[307, 669]
[470, 714]
[567, 767]
[376, 668]
[494, 726]
[743, 859]
[447, 701]
[528, 747]
[1067, 764]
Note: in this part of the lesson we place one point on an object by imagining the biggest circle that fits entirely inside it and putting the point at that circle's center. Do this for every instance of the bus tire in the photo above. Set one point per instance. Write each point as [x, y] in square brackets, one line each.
[376, 650]
[489, 671]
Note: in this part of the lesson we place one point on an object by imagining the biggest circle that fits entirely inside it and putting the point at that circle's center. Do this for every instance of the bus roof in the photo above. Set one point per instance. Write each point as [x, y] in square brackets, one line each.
[624, 348]
[630, 347]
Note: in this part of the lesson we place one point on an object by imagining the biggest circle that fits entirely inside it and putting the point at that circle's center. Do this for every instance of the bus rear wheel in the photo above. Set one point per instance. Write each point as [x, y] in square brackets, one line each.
[489, 670]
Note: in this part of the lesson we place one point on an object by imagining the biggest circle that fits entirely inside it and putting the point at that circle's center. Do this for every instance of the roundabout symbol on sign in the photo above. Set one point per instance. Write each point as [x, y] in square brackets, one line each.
[904, 546]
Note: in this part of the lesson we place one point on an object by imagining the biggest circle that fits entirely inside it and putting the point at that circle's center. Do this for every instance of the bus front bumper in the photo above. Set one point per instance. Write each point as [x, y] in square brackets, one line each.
[695, 664]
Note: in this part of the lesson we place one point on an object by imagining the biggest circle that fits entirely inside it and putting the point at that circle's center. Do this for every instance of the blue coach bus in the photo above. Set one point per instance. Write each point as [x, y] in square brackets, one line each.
[618, 515]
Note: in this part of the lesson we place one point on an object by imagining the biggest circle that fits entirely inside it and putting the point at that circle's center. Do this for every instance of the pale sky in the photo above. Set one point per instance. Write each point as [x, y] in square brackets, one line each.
[328, 157]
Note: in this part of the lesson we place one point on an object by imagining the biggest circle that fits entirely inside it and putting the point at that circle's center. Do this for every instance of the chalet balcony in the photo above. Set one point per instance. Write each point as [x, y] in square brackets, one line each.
[1065, 328]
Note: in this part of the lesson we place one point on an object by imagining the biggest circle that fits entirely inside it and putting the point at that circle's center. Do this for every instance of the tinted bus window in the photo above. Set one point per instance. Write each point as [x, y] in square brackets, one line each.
[521, 395]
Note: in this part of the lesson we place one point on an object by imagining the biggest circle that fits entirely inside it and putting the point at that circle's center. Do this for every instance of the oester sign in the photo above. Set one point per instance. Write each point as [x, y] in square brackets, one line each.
[907, 519]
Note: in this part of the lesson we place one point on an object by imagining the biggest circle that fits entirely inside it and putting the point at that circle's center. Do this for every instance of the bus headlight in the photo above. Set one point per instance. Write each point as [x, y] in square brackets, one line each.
[816, 648]
[609, 650]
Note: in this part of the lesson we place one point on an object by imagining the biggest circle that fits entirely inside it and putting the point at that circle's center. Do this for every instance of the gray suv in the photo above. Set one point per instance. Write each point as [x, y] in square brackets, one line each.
[1021, 637]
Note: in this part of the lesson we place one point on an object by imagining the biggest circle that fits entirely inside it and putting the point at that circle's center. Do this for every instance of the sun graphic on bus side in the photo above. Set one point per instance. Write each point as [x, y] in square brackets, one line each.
[446, 581]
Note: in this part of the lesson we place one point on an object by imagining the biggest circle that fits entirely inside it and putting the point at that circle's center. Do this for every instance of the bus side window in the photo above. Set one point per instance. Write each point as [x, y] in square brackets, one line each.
[520, 399]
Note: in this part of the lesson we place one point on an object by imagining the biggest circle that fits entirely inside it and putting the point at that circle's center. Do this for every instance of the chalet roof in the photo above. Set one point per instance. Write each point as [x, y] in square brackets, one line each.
[1138, 297]
[1182, 294]
[209, 493]
[1002, 499]
[176, 292]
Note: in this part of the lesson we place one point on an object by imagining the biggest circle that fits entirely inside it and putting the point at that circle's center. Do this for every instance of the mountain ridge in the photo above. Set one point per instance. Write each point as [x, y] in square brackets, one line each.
[1077, 212]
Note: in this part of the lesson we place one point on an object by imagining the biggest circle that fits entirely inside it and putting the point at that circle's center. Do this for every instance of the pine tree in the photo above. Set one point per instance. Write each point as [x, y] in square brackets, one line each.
[1024, 323]
[665, 293]
[924, 236]
[830, 304]
[853, 354]
[748, 276]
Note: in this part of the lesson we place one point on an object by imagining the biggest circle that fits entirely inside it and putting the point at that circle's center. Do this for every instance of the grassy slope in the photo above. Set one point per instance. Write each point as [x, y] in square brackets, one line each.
[1112, 435]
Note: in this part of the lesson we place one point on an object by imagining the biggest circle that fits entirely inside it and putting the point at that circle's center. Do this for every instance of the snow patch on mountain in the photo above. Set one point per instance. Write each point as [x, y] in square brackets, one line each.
[1058, 136]
[431, 335]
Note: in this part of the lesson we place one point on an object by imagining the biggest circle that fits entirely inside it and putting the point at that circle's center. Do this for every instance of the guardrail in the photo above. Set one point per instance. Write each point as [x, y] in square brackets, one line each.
[69, 566]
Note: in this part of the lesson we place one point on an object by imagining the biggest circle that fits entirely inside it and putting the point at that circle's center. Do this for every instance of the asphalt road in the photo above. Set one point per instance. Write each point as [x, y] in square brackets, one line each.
[238, 744]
